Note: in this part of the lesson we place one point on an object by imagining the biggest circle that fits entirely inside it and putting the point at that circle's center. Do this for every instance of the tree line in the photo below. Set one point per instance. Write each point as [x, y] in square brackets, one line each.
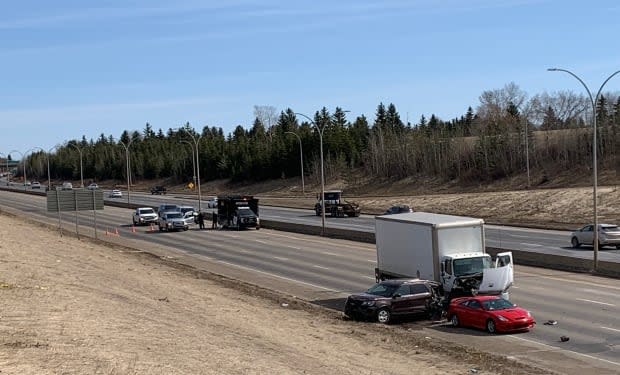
[496, 140]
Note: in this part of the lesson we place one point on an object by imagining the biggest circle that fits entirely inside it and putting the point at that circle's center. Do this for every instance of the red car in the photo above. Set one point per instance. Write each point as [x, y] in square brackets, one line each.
[493, 313]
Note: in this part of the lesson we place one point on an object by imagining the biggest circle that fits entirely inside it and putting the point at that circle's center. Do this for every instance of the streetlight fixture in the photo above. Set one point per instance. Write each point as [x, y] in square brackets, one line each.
[196, 141]
[81, 168]
[320, 130]
[301, 157]
[126, 146]
[593, 102]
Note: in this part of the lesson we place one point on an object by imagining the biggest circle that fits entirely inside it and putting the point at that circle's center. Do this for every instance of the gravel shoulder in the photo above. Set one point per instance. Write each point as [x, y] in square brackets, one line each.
[78, 306]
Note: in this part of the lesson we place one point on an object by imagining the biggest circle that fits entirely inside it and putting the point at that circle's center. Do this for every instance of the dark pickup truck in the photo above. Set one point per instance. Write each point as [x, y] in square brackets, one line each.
[158, 190]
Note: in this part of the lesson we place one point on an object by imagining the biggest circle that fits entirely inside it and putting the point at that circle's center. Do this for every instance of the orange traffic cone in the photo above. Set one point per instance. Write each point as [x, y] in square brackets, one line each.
[133, 229]
[107, 231]
[116, 232]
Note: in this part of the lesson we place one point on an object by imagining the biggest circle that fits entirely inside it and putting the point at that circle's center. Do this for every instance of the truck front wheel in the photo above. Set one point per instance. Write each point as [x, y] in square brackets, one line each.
[384, 315]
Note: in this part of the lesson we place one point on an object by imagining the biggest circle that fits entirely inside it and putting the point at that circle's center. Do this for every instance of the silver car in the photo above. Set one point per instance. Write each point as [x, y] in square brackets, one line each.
[608, 235]
[172, 220]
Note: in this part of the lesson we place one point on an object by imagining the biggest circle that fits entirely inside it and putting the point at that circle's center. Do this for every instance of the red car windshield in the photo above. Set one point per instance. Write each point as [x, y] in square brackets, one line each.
[496, 304]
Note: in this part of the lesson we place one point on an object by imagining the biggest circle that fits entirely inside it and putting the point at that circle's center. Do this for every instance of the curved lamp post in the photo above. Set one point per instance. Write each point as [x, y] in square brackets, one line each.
[593, 102]
[196, 141]
[320, 130]
[7, 165]
[47, 154]
[81, 168]
[191, 145]
[301, 157]
[24, 161]
[126, 146]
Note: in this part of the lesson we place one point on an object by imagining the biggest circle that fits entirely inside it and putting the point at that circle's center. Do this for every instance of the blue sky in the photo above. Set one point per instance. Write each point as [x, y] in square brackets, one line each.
[70, 68]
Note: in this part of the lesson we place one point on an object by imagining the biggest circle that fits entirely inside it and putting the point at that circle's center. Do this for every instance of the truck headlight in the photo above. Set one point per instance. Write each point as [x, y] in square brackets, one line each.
[368, 303]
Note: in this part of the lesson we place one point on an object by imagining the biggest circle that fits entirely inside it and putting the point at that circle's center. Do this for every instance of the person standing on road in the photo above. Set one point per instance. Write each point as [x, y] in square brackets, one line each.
[201, 220]
[214, 223]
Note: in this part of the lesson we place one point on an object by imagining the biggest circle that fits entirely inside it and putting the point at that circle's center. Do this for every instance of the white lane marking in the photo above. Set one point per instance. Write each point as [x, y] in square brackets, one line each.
[597, 302]
[278, 276]
[565, 350]
[294, 247]
[281, 258]
[371, 260]
[326, 253]
[567, 279]
[263, 242]
[371, 278]
[321, 267]
[611, 329]
[516, 235]
[530, 244]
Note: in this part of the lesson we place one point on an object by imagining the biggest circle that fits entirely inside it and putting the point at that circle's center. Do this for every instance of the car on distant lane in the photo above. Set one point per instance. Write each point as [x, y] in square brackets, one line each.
[608, 235]
[395, 297]
[158, 190]
[93, 186]
[493, 313]
[212, 202]
[35, 185]
[398, 209]
[116, 194]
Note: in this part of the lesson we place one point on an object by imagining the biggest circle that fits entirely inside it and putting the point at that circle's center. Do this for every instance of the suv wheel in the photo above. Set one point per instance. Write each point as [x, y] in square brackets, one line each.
[384, 315]
[575, 242]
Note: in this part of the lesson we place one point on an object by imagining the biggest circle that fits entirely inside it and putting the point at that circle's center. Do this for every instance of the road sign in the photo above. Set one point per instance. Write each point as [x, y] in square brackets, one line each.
[74, 200]
[190, 185]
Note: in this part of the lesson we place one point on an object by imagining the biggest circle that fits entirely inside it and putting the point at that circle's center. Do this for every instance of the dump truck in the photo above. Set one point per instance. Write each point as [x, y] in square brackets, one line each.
[447, 249]
[237, 211]
[335, 205]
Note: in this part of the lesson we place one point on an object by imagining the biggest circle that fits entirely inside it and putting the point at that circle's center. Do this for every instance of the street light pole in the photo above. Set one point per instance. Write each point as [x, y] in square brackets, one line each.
[593, 102]
[301, 157]
[126, 146]
[23, 161]
[196, 142]
[81, 168]
[320, 130]
[49, 180]
[191, 145]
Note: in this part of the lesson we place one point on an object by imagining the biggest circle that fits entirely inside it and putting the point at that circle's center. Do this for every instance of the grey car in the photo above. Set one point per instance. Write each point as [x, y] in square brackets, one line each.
[608, 235]
[172, 220]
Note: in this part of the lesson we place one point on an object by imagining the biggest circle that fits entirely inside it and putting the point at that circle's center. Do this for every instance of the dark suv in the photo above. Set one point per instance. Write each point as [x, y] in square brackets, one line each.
[393, 297]
[158, 190]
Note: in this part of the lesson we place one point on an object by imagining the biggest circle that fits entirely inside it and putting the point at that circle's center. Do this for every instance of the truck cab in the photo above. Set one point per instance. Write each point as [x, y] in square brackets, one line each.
[477, 273]
[335, 205]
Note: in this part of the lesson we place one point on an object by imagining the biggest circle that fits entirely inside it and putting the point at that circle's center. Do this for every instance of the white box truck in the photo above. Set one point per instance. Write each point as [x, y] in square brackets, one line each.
[445, 248]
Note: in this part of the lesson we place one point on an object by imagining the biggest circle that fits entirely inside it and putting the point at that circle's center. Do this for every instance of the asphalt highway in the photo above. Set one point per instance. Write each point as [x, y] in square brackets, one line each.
[322, 270]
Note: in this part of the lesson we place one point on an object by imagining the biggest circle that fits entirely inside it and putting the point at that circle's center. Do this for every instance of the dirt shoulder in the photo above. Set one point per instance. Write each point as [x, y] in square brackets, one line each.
[76, 306]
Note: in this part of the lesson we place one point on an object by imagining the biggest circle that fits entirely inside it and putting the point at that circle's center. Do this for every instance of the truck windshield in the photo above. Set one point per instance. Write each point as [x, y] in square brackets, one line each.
[246, 212]
[470, 266]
